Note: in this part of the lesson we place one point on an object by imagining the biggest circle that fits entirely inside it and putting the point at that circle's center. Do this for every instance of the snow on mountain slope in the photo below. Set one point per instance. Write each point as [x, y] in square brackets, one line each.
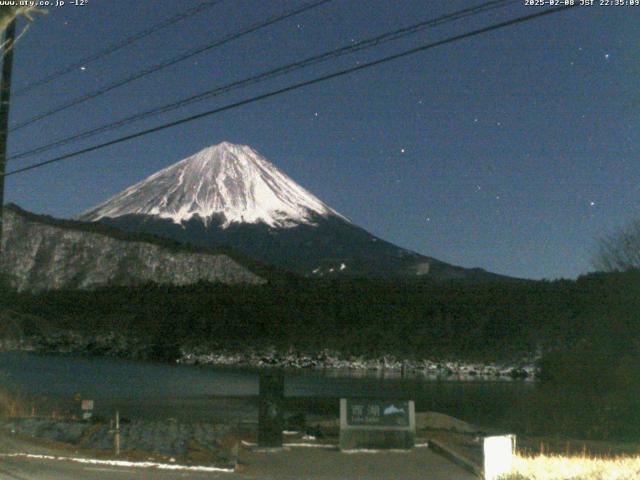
[233, 181]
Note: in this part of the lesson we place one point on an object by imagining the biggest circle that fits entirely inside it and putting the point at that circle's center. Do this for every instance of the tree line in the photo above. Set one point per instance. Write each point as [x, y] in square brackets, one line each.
[585, 329]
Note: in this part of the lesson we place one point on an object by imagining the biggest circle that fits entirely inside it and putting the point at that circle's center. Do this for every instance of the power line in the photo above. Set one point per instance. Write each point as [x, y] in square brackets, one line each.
[348, 49]
[296, 86]
[117, 46]
[160, 66]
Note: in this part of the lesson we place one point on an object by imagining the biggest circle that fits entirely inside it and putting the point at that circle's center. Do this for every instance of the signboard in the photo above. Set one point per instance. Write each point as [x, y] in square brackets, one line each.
[368, 423]
[377, 413]
[87, 409]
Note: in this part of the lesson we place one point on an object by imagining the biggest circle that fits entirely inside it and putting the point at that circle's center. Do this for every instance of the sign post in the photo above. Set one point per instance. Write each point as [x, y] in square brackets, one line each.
[271, 413]
[87, 409]
[366, 423]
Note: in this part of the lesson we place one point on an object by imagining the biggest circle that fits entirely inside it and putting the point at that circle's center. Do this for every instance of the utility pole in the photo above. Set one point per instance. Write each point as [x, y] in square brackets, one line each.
[5, 97]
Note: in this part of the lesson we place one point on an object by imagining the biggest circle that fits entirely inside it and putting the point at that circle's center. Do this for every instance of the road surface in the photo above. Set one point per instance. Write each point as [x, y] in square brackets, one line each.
[290, 464]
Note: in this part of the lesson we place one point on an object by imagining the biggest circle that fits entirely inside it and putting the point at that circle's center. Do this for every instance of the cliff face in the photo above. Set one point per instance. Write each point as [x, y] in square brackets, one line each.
[39, 253]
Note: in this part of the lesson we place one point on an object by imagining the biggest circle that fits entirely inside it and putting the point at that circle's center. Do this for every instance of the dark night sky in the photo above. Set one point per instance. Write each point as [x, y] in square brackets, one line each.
[512, 151]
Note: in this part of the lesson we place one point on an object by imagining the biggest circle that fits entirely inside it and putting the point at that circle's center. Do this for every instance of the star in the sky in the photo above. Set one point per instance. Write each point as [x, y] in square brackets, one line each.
[592, 203]
[83, 68]
[606, 56]
[402, 150]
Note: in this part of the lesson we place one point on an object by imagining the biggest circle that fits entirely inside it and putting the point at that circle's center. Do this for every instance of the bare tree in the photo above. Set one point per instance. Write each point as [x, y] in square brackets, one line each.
[620, 251]
[9, 13]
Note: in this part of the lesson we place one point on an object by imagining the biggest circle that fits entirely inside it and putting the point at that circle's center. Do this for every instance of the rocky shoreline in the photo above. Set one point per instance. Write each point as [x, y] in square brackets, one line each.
[189, 442]
[118, 346]
[387, 364]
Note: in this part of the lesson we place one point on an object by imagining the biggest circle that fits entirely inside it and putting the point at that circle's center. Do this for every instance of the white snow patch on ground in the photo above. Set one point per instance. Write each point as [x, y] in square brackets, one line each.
[375, 450]
[310, 445]
[120, 463]
[285, 446]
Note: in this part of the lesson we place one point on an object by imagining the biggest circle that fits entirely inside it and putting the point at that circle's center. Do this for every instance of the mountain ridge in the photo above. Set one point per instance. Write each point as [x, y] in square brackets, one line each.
[229, 195]
[43, 253]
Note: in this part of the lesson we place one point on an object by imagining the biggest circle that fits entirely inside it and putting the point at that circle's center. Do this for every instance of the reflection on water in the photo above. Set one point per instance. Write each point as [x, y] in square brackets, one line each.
[144, 389]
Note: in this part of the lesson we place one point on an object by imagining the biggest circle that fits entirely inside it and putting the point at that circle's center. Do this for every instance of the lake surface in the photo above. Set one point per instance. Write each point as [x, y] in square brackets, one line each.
[205, 393]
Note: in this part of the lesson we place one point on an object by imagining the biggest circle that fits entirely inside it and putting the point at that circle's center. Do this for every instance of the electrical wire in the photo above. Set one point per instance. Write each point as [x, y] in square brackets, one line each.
[116, 46]
[285, 69]
[180, 58]
[296, 86]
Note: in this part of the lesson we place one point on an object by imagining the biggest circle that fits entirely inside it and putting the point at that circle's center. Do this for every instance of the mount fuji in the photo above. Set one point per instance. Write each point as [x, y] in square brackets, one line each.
[229, 195]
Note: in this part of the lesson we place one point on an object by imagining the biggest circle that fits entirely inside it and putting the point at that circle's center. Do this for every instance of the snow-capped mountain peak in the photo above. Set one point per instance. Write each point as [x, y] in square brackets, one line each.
[231, 181]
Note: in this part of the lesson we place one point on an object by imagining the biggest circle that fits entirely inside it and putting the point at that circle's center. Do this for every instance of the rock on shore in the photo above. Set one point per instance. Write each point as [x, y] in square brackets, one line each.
[120, 346]
[168, 438]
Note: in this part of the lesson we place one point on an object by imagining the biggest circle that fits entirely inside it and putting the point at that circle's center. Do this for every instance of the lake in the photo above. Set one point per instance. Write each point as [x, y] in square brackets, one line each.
[211, 393]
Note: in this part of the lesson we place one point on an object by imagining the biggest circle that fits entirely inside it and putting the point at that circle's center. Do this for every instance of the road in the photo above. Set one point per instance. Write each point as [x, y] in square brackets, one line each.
[296, 464]
[290, 464]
